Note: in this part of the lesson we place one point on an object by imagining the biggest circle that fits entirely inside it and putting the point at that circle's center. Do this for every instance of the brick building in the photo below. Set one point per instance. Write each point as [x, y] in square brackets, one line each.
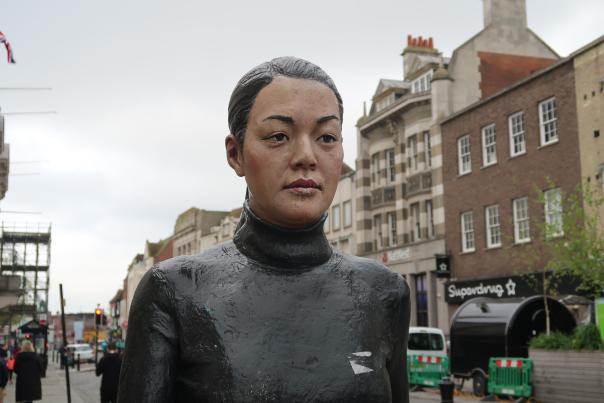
[498, 155]
[400, 214]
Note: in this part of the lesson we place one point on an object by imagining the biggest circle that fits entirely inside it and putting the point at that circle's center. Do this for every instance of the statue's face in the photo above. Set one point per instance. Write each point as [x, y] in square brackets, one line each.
[292, 153]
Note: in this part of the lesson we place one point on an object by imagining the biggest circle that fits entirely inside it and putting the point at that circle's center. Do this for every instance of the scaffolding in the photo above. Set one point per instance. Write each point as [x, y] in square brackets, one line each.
[25, 255]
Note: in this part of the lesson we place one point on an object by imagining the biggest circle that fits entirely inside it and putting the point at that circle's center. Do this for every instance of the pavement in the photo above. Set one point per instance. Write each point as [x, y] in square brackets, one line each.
[85, 386]
[433, 395]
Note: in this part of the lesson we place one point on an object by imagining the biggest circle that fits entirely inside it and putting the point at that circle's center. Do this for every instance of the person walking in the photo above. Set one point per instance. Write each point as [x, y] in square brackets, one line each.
[10, 365]
[109, 366]
[3, 379]
[28, 368]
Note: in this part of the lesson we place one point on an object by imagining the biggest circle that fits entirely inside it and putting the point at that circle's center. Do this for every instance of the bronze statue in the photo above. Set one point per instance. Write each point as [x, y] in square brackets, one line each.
[275, 315]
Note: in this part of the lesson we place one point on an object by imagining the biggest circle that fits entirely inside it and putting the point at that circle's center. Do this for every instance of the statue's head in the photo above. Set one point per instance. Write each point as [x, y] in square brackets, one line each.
[285, 121]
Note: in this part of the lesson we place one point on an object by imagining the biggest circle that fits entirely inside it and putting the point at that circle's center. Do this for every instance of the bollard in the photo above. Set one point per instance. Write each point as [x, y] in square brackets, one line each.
[447, 387]
[78, 364]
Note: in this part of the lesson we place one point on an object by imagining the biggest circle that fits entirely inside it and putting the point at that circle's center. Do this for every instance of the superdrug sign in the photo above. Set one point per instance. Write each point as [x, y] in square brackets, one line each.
[457, 292]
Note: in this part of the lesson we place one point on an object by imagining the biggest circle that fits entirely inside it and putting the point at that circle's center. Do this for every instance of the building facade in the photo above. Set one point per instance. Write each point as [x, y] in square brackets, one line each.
[499, 156]
[589, 92]
[191, 226]
[400, 214]
[340, 226]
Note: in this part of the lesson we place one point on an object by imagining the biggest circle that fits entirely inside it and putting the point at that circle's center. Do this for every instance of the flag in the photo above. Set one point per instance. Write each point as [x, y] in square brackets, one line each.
[9, 49]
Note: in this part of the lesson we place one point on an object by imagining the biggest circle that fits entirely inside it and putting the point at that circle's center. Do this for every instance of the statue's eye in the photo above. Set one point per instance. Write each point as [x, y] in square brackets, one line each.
[328, 138]
[278, 137]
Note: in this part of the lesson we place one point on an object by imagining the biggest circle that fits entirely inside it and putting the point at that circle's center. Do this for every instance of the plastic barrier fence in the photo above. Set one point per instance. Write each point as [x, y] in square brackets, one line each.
[427, 370]
[510, 376]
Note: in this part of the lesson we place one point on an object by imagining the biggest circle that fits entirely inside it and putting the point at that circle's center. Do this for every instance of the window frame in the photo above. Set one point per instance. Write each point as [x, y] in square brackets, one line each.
[347, 206]
[521, 220]
[490, 226]
[390, 165]
[392, 230]
[412, 152]
[375, 168]
[552, 213]
[416, 222]
[543, 122]
[336, 222]
[467, 230]
[461, 155]
[428, 149]
[430, 219]
[513, 134]
[377, 231]
[486, 152]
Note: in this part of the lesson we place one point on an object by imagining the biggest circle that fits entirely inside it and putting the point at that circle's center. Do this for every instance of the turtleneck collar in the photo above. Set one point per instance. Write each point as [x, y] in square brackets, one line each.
[287, 249]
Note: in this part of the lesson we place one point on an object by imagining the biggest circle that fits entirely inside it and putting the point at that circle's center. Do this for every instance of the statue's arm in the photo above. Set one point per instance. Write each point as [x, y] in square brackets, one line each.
[398, 365]
[149, 363]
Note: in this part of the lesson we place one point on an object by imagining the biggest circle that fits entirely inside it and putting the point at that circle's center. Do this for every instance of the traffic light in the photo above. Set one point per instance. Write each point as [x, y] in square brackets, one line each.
[98, 317]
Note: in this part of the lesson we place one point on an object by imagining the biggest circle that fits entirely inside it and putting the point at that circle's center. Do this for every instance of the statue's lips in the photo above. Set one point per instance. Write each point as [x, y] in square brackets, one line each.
[303, 184]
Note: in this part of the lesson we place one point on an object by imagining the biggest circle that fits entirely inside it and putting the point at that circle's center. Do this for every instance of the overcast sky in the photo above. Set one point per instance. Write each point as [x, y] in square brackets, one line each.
[141, 89]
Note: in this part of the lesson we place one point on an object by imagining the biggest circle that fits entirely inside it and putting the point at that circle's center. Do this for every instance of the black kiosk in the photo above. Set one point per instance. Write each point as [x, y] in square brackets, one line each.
[485, 327]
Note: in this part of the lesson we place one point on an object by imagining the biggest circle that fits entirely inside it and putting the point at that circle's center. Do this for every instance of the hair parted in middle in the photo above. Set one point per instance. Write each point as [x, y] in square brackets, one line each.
[248, 87]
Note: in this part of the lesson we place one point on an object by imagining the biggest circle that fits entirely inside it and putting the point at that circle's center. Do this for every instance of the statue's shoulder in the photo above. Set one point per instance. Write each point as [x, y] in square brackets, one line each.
[372, 271]
[205, 262]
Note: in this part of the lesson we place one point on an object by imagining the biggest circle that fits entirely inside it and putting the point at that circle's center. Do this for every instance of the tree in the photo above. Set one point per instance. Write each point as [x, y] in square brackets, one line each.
[570, 242]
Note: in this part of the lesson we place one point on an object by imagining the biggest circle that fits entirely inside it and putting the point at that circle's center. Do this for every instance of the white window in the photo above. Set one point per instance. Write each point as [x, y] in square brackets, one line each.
[377, 232]
[428, 149]
[548, 121]
[412, 152]
[392, 228]
[430, 218]
[493, 226]
[521, 220]
[463, 155]
[347, 213]
[335, 216]
[415, 217]
[516, 129]
[467, 232]
[489, 147]
[422, 83]
[384, 103]
[553, 212]
[390, 164]
[375, 168]
[326, 225]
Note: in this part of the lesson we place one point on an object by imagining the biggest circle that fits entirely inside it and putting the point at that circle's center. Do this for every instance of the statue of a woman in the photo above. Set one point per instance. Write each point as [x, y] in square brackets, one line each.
[275, 315]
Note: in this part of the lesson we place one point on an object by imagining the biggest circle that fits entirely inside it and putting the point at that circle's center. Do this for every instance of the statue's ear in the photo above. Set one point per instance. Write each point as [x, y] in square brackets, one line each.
[234, 152]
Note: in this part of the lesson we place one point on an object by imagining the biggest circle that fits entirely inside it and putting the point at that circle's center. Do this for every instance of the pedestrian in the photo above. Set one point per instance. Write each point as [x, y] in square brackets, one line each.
[3, 379]
[276, 314]
[10, 365]
[63, 356]
[28, 368]
[109, 366]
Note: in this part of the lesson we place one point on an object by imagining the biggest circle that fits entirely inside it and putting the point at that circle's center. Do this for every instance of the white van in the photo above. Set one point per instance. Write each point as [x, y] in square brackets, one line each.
[426, 341]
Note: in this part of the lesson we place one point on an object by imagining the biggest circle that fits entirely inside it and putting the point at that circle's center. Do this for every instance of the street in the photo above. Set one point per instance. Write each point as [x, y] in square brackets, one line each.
[85, 388]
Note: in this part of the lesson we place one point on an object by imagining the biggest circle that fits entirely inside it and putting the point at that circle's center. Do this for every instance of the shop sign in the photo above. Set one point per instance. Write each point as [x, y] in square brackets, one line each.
[443, 268]
[501, 287]
[395, 255]
[460, 291]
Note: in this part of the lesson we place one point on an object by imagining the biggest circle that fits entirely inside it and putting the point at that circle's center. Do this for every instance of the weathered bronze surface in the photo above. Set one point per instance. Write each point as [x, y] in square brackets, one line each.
[274, 316]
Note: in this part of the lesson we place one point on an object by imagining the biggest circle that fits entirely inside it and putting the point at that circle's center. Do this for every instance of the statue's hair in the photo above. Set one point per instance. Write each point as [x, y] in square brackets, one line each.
[248, 87]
